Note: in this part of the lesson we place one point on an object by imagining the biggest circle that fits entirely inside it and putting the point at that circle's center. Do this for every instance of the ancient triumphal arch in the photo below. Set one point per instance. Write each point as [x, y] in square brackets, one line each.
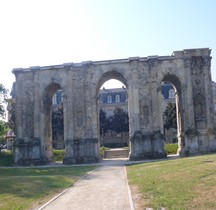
[189, 71]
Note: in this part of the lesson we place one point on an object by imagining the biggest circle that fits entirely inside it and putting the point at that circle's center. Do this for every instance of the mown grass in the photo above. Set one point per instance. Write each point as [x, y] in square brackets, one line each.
[186, 183]
[27, 188]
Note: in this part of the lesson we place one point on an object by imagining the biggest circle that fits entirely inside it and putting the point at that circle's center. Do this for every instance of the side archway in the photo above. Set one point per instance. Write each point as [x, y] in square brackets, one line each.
[176, 83]
[47, 146]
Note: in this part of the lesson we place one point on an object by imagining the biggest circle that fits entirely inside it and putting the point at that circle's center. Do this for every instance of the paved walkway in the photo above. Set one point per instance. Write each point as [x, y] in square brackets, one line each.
[106, 188]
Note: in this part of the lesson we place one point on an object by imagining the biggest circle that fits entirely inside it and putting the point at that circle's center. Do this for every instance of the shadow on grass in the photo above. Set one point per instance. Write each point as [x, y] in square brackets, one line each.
[38, 182]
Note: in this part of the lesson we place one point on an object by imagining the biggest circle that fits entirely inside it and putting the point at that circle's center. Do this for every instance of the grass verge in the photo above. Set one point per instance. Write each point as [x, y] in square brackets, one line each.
[27, 188]
[186, 183]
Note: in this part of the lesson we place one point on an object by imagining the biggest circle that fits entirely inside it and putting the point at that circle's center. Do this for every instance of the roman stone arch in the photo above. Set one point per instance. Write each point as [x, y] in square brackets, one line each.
[189, 71]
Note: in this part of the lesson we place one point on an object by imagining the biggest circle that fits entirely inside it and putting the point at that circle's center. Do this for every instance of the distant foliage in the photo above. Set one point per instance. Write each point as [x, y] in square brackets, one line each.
[102, 150]
[170, 120]
[104, 122]
[58, 155]
[171, 148]
[57, 120]
[6, 158]
[3, 131]
[11, 116]
[3, 97]
[119, 121]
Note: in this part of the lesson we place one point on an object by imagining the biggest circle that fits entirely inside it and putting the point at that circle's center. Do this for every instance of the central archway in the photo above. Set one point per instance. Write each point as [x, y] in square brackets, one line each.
[118, 104]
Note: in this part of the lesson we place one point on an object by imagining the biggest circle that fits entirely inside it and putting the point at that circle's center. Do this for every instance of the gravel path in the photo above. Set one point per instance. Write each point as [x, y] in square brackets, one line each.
[106, 188]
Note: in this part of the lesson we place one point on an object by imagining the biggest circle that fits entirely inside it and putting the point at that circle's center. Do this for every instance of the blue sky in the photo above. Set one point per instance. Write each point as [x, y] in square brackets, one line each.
[49, 32]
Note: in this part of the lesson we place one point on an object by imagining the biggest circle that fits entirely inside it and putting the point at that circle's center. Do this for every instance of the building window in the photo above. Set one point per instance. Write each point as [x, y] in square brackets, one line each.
[117, 98]
[109, 99]
[171, 93]
[54, 99]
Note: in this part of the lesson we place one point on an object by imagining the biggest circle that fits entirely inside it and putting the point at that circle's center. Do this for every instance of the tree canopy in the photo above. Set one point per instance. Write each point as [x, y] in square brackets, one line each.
[170, 120]
[57, 120]
[3, 97]
[104, 122]
[118, 122]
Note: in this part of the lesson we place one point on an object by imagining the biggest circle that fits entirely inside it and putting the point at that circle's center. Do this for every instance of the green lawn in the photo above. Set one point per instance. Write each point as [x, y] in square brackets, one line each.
[185, 183]
[25, 188]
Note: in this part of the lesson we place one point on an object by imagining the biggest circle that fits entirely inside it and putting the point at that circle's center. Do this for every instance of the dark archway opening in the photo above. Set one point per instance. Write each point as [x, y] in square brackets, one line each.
[54, 126]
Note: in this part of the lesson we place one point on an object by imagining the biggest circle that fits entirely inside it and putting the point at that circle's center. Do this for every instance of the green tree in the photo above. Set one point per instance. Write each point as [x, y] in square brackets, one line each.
[3, 131]
[57, 120]
[170, 120]
[104, 122]
[3, 97]
[11, 114]
[3, 126]
[119, 122]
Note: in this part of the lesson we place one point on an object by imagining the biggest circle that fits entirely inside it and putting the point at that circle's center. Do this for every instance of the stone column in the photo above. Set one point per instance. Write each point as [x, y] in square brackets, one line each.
[133, 109]
[18, 111]
[19, 105]
[36, 105]
[69, 117]
[134, 123]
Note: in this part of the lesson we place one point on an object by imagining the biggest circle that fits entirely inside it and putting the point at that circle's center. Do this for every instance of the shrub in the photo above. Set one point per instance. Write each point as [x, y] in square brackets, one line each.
[102, 149]
[171, 148]
[58, 155]
[6, 158]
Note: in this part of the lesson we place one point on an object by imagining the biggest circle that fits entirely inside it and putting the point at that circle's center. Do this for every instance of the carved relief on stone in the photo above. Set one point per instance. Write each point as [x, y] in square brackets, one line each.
[197, 64]
[28, 115]
[198, 85]
[145, 111]
[199, 106]
[199, 96]
[207, 61]
[187, 62]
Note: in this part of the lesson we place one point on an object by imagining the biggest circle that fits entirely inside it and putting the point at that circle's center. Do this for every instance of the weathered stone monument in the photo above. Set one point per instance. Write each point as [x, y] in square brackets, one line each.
[189, 71]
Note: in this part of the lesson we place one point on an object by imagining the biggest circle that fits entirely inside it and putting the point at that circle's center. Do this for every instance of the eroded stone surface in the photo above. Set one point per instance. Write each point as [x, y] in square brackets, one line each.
[188, 70]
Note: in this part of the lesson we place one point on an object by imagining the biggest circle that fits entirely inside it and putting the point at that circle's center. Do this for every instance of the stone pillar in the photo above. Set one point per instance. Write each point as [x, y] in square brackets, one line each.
[19, 106]
[36, 106]
[69, 118]
[196, 134]
[133, 106]
[81, 145]
[134, 122]
[157, 136]
[18, 110]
